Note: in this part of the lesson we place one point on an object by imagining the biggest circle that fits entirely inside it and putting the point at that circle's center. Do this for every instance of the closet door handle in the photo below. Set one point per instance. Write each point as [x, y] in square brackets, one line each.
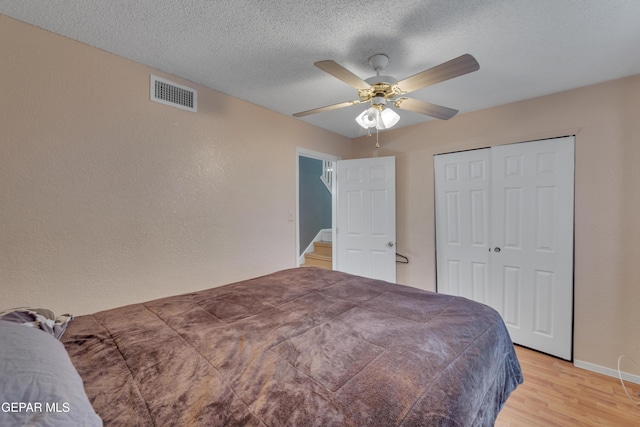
[497, 249]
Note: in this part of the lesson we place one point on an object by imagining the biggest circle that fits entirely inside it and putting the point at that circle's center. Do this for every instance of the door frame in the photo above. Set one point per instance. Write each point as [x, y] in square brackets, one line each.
[304, 152]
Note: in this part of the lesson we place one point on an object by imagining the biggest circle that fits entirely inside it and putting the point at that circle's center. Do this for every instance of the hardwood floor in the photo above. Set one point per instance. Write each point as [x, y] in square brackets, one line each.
[556, 393]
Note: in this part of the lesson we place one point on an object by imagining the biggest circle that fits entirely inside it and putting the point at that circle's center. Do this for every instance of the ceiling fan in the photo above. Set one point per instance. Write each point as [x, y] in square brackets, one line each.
[380, 90]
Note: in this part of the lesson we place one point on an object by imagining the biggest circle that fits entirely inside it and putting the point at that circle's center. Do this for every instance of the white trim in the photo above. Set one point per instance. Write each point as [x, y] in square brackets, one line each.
[304, 152]
[606, 371]
[320, 237]
[327, 174]
[334, 215]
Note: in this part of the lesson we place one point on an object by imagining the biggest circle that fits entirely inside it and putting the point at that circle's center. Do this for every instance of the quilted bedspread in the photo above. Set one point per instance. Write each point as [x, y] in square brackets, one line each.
[300, 347]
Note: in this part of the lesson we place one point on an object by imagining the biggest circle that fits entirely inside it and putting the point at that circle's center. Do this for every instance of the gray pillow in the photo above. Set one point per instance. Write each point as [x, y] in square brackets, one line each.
[38, 383]
[40, 318]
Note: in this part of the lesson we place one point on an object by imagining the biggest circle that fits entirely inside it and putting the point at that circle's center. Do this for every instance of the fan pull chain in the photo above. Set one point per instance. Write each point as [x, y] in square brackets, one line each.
[369, 135]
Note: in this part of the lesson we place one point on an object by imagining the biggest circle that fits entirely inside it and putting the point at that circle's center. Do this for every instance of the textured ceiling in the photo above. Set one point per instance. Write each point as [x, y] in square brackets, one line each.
[263, 51]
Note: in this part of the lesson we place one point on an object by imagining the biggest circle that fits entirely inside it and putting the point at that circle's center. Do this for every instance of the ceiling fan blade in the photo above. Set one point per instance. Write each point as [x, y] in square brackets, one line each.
[447, 70]
[433, 110]
[327, 108]
[341, 73]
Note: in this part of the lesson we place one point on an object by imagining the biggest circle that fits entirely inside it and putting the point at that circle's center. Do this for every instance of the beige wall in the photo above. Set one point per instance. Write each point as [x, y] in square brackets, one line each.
[107, 198]
[606, 121]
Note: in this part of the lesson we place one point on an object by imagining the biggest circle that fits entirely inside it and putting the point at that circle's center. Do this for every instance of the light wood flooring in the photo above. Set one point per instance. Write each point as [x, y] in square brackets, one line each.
[556, 393]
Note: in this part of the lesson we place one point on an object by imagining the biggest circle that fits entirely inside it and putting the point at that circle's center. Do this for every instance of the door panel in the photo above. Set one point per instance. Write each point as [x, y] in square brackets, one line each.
[516, 204]
[366, 209]
[479, 275]
[533, 226]
[462, 198]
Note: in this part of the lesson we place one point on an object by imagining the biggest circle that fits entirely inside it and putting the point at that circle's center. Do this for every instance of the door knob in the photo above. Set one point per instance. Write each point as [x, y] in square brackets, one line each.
[496, 249]
[390, 244]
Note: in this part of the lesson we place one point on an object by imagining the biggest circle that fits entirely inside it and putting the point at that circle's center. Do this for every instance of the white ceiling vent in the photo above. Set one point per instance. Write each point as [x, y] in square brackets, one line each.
[170, 93]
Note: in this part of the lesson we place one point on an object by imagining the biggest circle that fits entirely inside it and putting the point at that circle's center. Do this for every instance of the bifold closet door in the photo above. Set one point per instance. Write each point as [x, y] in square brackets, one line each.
[514, 203]
[463, 182]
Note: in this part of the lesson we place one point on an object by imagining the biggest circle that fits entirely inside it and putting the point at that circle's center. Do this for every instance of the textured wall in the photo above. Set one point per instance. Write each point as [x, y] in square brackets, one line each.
[607, 206]
[107, 198]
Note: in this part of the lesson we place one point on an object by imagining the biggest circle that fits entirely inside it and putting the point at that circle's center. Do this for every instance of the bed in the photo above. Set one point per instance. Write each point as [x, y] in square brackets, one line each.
[299, 347]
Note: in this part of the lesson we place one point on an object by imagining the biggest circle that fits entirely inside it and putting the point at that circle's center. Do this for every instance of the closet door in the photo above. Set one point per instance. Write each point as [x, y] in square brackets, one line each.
[463, 181]
[532, 227]
[530, 251]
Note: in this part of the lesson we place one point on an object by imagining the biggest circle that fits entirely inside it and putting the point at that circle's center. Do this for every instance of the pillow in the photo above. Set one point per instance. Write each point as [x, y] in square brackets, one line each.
[38, 383]
[40, 318]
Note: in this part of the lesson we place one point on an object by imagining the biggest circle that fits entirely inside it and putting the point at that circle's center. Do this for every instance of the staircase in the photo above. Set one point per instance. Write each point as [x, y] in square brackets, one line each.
[322, 256]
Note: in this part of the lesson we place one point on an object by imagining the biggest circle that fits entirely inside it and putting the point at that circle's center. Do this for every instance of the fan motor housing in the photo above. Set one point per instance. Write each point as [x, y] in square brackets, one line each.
[387, 91]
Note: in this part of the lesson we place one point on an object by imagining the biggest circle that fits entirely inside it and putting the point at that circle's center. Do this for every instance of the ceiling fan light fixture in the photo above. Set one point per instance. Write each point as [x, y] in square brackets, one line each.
[381, 89]
[378, 117]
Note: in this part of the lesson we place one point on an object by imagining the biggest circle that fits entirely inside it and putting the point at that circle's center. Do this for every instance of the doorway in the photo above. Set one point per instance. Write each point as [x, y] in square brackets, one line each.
[363, 232]
[314, 202]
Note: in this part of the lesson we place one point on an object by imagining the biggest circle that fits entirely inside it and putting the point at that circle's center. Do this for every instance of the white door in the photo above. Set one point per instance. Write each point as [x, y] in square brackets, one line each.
[528, 273]
[532, 227]
[463, 182]
[366, 218]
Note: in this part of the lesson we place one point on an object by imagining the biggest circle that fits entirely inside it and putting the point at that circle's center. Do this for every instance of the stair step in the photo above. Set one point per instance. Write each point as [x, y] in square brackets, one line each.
[318, 260]
[323, 248]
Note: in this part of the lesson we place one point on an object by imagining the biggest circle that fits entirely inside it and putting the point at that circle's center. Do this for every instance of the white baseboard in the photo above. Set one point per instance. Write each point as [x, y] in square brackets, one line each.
[606, 371]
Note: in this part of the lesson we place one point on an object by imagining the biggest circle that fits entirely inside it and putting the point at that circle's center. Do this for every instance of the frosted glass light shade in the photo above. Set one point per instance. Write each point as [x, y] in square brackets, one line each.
[387, 119]
[372, 117]
[368, 118]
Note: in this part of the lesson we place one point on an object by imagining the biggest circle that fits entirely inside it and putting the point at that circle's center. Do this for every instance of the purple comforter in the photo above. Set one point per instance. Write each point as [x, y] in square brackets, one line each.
[300, 347]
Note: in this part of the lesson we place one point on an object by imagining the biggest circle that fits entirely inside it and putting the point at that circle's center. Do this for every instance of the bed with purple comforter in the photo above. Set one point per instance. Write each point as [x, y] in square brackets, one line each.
[300, 347]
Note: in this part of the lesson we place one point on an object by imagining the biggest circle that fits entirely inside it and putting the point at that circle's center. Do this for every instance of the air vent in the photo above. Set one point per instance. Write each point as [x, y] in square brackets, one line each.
[170, 93]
